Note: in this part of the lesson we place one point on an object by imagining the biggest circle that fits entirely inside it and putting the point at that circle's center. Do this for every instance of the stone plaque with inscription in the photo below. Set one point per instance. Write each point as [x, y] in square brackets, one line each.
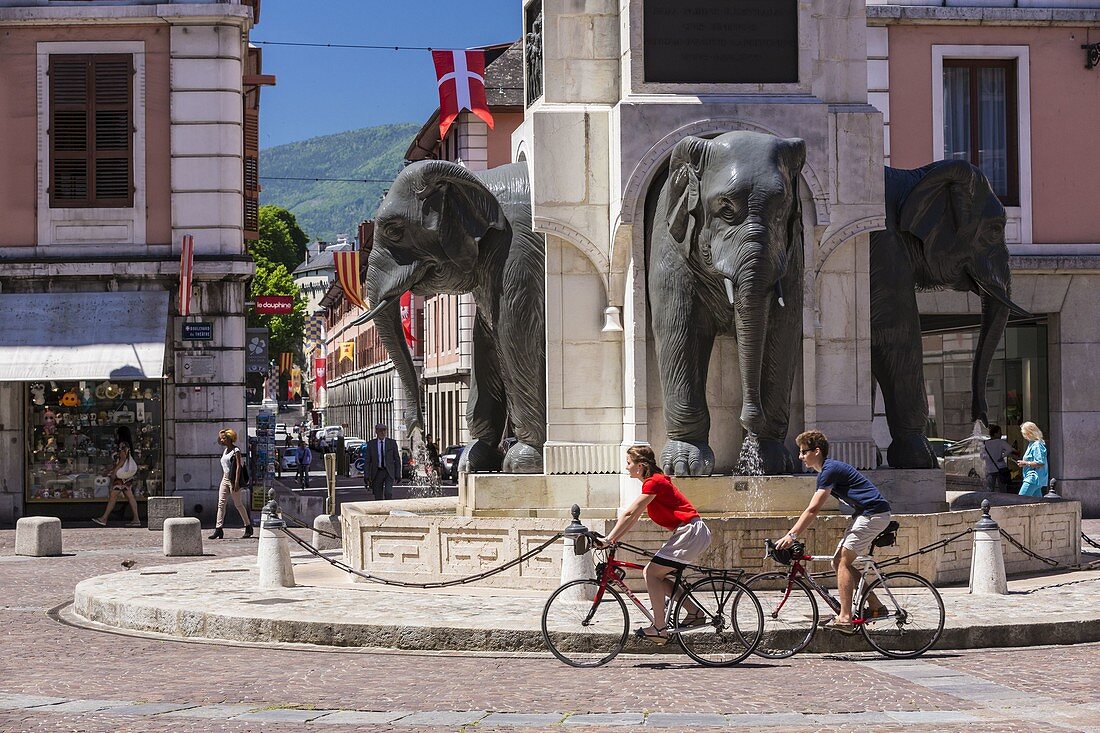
[721, 41]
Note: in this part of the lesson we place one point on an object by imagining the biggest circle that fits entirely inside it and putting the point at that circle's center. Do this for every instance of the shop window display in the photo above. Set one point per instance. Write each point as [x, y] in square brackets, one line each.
[72, 429]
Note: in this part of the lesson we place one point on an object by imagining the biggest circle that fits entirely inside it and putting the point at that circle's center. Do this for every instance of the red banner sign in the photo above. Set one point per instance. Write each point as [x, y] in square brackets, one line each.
[274, 304]
[319, 367]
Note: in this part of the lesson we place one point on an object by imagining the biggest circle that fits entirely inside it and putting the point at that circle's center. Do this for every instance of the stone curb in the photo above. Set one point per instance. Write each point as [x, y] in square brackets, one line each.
[197, 624]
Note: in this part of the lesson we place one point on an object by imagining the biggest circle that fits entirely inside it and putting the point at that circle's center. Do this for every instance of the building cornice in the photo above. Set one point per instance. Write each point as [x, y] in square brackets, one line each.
[207, 267]
[884, 15]
[198, 14]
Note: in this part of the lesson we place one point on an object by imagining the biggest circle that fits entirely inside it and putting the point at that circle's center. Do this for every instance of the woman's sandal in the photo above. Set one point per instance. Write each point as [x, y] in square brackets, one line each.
[653, 634]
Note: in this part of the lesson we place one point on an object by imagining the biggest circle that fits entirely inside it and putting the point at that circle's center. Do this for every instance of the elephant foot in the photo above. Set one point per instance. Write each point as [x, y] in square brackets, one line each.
[523, 458]
[479, 457]
[775, 459]
[681, 458]
[911, 451]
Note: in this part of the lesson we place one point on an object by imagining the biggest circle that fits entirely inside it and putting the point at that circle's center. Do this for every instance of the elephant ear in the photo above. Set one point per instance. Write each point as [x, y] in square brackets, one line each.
[792, 156]
[944, 210]
[457, 205]
[684, 188]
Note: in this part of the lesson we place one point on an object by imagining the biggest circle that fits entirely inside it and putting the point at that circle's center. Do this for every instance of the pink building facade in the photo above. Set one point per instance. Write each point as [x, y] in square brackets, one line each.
[1008, 86]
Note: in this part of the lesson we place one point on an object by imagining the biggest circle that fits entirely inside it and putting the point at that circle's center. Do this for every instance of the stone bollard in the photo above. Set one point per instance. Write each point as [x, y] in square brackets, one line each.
[160, 508]
[1052, 492]
[987, 561]
[273, 556]
[327, 523]
[182, 537]
[574, 566]
[38, 536]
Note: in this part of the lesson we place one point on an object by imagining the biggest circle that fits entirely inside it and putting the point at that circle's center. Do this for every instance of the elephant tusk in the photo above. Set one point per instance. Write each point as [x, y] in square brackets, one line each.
[779, 294]
[999, 297]
[369, 315]
[729, 290]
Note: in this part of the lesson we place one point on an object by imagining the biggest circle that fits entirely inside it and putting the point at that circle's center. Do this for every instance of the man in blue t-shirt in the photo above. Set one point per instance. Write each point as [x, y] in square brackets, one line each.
[872, 515]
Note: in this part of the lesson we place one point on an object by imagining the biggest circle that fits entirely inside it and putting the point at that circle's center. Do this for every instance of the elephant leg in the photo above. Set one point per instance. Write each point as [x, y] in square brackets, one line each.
[486, 412]
[782, 352]
[684, 343]
[522, 328]
[897, 358]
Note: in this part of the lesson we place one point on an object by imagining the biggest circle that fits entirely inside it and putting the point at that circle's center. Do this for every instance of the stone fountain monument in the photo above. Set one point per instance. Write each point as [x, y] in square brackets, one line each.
[697, 169]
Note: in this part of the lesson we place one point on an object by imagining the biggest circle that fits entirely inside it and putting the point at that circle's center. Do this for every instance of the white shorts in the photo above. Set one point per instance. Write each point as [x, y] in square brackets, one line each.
[862, 531]
[687, 544]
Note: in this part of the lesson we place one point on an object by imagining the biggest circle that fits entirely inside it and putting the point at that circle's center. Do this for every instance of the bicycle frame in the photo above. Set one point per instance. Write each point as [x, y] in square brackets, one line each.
[611, 577]
[798, 570]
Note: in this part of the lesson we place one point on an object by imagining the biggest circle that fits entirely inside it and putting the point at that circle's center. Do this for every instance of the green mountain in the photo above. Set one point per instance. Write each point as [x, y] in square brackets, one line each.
[327, 208]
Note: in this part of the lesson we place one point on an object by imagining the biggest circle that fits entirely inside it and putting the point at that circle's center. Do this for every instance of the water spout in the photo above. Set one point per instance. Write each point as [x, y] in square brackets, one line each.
[750, 463]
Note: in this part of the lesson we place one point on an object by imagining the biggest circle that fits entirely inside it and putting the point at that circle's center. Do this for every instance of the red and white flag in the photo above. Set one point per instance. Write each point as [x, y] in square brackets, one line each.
[187, 267]
[347, 274]
[407, 317]
[460, 76]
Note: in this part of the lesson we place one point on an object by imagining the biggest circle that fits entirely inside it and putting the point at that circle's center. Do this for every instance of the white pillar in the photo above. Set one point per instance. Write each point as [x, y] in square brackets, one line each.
[274, 559]
[987, 562]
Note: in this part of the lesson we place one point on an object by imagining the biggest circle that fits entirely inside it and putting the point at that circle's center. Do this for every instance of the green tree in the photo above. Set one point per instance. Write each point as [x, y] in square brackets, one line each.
[281, 239]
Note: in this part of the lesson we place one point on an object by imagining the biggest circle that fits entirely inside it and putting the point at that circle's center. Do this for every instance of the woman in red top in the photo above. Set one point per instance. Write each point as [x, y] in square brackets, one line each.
[690, 537]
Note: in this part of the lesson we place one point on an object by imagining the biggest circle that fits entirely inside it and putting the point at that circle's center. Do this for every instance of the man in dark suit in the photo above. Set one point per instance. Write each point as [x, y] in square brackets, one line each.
[383, 464]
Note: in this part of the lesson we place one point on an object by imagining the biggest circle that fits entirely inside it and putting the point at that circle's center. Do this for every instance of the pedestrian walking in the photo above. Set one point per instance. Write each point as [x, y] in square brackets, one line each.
[232, 473]
[1034, 462]
[121, 476]
[304, 459]
[383, 464]
[432, 450]
[995, 453]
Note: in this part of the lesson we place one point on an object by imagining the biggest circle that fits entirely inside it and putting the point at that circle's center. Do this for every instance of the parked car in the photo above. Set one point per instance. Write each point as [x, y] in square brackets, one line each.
[449, 461]
[939, 446]
[353, 445]
[288, 459]
[964, 457]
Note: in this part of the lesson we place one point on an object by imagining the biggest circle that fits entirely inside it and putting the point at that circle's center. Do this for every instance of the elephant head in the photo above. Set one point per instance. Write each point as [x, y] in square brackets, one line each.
[431, 234]
[959, 227]
[733, 209]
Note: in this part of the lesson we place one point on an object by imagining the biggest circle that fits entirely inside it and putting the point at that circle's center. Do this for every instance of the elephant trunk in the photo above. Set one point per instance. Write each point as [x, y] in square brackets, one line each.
[392, 335]
[994, 319]
[751, 313]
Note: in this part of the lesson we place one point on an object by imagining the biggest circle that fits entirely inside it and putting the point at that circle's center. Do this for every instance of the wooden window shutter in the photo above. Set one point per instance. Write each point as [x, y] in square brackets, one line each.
[91, 131]
[251, 174]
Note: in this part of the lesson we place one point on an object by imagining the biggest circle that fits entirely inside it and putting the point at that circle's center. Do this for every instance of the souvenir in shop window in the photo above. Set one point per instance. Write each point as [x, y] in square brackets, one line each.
[71, 440]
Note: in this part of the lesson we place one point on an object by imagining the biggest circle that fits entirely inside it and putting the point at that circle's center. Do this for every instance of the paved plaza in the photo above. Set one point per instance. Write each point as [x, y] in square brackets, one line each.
[58, 676]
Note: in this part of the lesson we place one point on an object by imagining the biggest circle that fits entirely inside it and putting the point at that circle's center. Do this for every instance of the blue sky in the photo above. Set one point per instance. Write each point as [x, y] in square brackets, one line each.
[322, 91]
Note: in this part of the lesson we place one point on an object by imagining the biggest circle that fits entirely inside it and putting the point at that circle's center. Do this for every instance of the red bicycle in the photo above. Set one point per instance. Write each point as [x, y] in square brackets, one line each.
[900, 615]
[715, 619]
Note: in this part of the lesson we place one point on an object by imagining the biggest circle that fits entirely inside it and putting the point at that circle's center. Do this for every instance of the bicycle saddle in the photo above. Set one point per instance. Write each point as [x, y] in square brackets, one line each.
[888, 536]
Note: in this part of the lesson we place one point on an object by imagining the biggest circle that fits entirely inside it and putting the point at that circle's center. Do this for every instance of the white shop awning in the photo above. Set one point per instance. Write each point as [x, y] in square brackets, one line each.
[73, 336]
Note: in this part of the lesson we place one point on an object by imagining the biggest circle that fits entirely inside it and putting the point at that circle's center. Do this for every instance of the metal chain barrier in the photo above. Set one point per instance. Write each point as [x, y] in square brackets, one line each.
[341, 565]
[298, 522]
[1090, 541]
[1016, 543]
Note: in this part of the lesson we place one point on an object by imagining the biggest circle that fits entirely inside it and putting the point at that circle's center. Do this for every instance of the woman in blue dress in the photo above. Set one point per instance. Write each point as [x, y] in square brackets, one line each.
[1034, 462]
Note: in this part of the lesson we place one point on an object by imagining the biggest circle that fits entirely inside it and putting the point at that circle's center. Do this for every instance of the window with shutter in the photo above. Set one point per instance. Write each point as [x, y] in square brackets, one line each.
[91, 131]
[251, 173]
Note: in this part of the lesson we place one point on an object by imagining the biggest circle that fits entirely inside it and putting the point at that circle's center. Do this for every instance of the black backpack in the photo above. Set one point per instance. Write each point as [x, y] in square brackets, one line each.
[245, 478]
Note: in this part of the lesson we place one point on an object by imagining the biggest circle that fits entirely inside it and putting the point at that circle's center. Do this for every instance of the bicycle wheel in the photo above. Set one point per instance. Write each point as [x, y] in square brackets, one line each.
[581, 632]
[732, 626]
[790, 614]
[916, 615]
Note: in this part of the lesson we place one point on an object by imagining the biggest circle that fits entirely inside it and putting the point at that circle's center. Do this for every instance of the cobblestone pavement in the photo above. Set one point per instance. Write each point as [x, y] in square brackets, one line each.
[58, 677]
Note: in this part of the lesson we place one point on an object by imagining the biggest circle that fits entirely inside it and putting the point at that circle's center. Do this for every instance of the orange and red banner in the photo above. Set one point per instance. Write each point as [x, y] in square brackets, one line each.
[187, 267]
[286, 361]
[347, 274]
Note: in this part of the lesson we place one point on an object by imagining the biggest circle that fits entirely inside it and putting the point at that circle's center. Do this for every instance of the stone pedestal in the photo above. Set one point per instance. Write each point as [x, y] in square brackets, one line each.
[912, 491]
[38, 536]
[273, 558]
[329, 523]
[160, 508]
[182, 537]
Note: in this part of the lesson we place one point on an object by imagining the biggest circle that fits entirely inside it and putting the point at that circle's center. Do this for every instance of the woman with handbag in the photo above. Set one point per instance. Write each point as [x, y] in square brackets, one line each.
[121, 476]
[1034, 462]
[995, 454]
[232, 462]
